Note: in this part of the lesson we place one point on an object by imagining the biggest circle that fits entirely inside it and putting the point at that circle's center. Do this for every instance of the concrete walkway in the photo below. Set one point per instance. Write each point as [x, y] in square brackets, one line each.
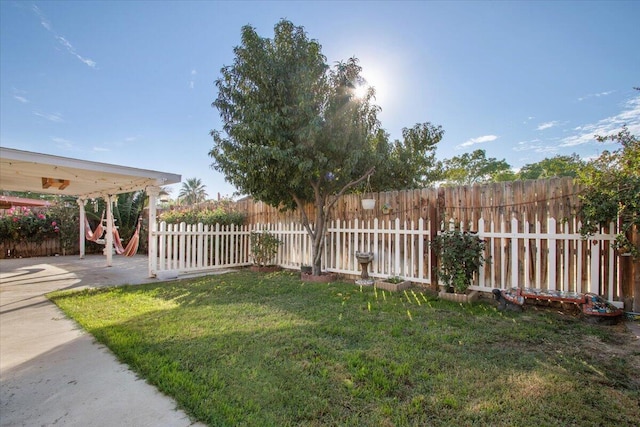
[53, 373]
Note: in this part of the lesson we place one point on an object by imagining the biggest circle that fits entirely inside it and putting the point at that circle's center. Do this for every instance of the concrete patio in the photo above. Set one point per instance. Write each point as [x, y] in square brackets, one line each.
[52, 372]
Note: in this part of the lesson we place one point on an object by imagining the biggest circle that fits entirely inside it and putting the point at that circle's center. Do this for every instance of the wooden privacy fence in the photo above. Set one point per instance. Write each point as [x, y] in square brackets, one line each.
[546, 255]
[533, 199]
[23, 249]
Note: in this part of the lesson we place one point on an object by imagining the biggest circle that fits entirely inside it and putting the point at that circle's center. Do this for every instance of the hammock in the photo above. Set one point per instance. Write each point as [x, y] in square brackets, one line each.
[91, 235]
[132, 246]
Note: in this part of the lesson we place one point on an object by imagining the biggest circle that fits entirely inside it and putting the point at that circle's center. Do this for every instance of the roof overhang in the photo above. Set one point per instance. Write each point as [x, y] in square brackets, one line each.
[7, 202]
[44, 173]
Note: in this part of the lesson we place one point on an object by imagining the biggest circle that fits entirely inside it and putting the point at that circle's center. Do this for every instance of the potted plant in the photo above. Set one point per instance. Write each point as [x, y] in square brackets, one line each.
[460, 256]
[393, 284]
[264, 248]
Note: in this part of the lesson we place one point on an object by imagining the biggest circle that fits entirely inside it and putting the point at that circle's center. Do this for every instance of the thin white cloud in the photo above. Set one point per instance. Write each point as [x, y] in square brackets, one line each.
[52, 117]
[130, 138]
[478, 140]
[547, 125]
[192, 81]
[62, 143]
[630, 116]
[535, 145]
[596, 95]
[63, 41]
[19, 95]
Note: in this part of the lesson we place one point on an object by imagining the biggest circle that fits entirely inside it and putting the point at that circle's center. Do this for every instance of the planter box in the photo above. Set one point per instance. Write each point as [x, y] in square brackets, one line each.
[393, 287]
[462, 298]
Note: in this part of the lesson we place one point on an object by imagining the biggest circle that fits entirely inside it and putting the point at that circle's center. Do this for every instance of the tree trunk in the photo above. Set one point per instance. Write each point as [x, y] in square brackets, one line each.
[318, 237]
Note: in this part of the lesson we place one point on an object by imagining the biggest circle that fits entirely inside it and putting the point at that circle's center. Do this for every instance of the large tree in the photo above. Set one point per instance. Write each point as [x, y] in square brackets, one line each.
[556, 166]
[294, 129]
[471, 168]
[410, 162]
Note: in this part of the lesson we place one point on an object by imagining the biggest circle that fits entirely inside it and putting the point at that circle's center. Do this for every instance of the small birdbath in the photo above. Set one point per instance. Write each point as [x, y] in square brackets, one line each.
[364, 259]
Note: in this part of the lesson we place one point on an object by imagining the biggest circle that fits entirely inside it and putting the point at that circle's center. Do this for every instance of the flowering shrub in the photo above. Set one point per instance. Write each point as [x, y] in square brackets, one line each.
[206, 216]
[21, 224]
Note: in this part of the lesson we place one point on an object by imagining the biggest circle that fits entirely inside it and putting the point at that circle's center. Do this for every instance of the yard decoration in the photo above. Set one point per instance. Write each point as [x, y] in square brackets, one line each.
[591, 305]
[364, 259]
[368, 203]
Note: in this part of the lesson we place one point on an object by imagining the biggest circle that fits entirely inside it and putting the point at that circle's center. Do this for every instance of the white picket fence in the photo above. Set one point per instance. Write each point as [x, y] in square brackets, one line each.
[555, 257]
[547, 256]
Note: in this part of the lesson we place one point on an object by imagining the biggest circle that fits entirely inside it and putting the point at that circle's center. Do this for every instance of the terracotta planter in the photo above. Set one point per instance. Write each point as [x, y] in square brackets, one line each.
[393, 287]
[462, 298]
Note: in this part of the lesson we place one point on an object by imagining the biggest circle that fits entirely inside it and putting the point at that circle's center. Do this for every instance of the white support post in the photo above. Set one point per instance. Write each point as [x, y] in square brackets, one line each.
[594, 264]
[551, 260]
[153, 193]
[83, 216]
[515, 273]
[108, 247]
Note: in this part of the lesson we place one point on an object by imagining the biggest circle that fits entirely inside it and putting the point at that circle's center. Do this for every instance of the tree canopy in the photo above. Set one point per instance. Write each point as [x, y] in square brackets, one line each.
[556, 166]
[612, 189]
[409, 163]
[295, 130]
[471, 168]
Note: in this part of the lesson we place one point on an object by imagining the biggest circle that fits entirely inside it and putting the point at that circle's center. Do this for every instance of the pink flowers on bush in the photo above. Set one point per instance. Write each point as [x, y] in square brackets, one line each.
[22, 224]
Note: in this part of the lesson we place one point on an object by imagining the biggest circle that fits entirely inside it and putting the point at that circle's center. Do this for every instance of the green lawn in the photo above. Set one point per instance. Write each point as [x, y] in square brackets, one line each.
[269, 350]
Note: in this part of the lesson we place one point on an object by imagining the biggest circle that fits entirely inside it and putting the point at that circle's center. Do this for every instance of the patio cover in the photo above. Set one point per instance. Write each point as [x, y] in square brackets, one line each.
[43, 173]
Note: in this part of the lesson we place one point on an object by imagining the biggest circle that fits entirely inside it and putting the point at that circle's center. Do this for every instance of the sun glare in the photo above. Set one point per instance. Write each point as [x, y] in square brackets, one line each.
[360, 91]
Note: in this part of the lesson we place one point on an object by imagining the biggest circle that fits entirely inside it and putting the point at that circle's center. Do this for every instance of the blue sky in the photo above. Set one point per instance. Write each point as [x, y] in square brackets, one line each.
[132, 82]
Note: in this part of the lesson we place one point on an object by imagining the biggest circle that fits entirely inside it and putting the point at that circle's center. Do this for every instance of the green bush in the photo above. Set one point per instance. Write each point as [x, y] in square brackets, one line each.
[264, 247]
[460, 256]
[205, 216]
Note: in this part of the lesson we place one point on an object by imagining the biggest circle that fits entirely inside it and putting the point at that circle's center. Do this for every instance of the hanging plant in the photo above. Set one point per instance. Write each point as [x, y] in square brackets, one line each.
[368, 203]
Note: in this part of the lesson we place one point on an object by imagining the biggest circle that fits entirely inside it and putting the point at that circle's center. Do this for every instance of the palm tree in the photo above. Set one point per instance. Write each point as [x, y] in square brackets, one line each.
[193, 191]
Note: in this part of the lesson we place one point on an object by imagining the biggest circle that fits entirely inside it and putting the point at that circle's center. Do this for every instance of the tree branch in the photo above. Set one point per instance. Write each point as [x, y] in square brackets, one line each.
[351, 184]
